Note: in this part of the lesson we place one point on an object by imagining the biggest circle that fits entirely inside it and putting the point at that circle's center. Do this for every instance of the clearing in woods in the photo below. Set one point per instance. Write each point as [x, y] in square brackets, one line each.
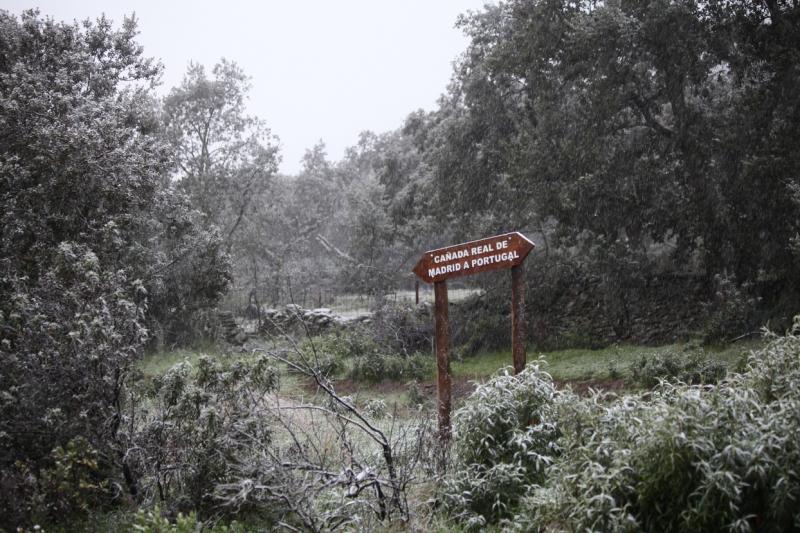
[607, 368]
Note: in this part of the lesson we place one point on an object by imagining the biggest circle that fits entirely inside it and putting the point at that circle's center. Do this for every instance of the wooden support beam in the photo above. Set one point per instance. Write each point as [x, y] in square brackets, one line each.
[444, 382]
[518, 318]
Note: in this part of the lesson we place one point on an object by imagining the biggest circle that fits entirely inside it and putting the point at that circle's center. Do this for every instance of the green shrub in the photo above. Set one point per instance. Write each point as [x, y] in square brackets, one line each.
[774, 371]
[732, 312]
[395, 328]
[366, 360]
[330, 354]
[74, 483]
[67, 486]
[342, 345]
[196, 427]
[691, 368]
[65, 347]
[375, 409]
[488, 331]
[316, 357]
[504, 438]
[415, 396]
[679, 458]
[613, 371]
[376, 366]
[97, 251]
[577, 336]
[401, 328]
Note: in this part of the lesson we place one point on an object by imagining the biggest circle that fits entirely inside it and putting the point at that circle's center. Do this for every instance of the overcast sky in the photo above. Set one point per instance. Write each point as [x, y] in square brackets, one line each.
[320, 69]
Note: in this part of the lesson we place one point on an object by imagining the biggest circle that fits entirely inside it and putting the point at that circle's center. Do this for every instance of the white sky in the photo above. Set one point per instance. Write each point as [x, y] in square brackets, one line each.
[320, 69]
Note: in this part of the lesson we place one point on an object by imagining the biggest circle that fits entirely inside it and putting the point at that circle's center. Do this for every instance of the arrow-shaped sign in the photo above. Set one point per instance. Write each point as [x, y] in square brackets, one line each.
[493, 253]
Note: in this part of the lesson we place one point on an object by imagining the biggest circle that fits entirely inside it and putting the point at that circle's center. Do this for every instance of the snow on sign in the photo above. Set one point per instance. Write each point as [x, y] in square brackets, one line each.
[493, 253]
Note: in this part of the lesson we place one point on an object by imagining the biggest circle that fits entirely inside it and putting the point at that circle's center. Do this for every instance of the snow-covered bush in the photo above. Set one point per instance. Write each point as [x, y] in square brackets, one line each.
[677, 458]
[682, 458]
[504, 438]
[195, 429]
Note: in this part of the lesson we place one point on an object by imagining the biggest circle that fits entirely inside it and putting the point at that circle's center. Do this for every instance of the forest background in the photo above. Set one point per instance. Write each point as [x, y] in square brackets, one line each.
[648, 148]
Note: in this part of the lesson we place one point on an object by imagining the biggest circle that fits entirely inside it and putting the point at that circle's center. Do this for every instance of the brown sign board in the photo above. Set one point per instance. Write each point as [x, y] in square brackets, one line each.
[493, 253]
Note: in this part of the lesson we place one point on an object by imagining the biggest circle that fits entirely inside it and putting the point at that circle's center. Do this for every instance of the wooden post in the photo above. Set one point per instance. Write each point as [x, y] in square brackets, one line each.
[442, 358]
[416, 291]
[436, 266]
[518, 318]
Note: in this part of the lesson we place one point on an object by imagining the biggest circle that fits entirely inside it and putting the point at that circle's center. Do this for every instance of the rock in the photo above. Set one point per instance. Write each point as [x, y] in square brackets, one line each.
[231, 331]
[240, 338]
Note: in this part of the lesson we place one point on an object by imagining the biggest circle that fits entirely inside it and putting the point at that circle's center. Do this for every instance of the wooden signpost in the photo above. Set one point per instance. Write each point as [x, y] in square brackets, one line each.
[437, 266]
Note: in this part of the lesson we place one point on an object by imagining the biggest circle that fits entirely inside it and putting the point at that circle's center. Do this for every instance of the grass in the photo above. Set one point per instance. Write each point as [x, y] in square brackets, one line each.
[564, 365]
[157, 363]
[391, 398]
[585, 364]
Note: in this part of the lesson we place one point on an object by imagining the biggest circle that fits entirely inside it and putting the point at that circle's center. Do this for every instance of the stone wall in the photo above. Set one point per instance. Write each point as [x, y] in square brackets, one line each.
[588, 312]
[293, 319]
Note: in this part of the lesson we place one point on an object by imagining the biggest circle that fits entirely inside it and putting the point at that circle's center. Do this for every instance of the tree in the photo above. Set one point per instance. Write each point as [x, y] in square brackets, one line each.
[631, 124]
[87, 233]
[390, 208]
[224, 158]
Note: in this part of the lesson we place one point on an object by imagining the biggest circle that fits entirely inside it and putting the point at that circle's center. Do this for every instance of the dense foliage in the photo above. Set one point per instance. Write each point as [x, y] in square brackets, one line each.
[632, 123]
[89, 233]
[677, 458]
[394, 346]
[195, 430]
[631, 140]
[505, 439]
